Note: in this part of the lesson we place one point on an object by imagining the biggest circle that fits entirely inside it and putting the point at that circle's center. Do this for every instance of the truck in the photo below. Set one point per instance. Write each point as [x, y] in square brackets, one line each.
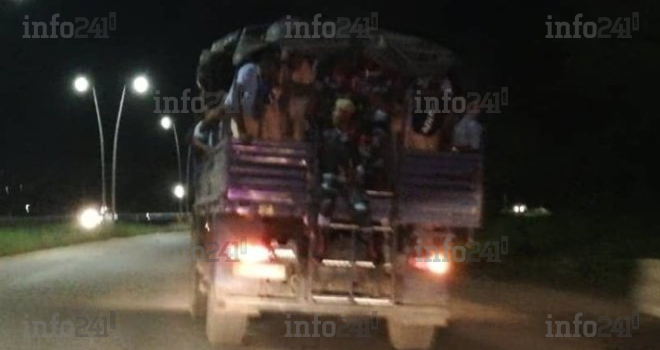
[256, 202]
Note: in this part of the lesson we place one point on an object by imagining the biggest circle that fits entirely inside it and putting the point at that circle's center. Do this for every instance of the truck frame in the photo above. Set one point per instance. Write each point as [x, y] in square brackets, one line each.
[258, 197]
[258, 201]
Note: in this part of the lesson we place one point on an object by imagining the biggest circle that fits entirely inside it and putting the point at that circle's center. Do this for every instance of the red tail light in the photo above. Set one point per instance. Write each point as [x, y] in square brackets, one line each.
[254, 253]
[435, 267]
[255, 262]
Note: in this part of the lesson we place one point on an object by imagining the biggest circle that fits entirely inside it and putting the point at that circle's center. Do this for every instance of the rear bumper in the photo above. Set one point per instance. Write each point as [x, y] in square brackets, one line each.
[436, 315]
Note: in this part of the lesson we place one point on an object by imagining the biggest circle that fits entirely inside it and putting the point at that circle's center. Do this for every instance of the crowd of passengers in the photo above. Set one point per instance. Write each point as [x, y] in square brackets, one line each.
[356, 107]
[278, 95]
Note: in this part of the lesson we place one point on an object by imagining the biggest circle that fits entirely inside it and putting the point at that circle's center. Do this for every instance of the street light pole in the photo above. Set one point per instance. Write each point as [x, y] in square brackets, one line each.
[178, 158]
[178, 151]
[114, 156]
[102, 146]
[82, 84]
[188, 161]
[166, 122]
[140, 86]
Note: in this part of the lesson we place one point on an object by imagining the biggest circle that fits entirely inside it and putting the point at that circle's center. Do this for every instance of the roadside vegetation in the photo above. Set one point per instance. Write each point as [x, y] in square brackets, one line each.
[592, 254]
[22, 237]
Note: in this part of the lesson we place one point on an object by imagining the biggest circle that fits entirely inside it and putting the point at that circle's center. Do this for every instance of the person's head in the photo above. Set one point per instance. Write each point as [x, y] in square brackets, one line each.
[342, 70]
[343, 112]
[213, 113]
[373, 69]
[389, 100]
[212, 99]
[472, 108]
[295, 60]
[340, 76]
[268, 58]
[377, 99]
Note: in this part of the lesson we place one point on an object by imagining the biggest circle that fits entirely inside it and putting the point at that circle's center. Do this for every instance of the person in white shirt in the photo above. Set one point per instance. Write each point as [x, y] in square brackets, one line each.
[250, 90]
[467, 132]
[241, 99]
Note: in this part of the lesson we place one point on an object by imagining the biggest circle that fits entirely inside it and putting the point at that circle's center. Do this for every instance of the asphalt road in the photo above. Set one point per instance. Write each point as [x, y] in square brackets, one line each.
[148, 289]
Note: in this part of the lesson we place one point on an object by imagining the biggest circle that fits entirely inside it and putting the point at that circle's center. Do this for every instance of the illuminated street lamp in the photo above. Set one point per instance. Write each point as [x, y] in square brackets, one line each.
[81, 84]
[179, 191]
[167, 124]
[140, 86]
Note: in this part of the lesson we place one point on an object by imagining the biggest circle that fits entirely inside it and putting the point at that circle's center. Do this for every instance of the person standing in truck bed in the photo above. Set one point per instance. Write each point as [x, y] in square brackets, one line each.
[467, 132]
[299, 76]
[339, 156]
[250, 91]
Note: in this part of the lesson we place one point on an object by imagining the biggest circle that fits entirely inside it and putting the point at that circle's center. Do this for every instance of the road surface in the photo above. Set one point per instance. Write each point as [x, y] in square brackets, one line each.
[149, 289]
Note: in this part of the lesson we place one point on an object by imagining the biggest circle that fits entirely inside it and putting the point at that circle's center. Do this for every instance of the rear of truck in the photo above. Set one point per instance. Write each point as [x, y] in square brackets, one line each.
[259, 202]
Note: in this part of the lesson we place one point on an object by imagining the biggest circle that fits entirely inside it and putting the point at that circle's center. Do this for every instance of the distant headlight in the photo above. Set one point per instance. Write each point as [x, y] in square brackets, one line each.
[90, 218]
[519, 208]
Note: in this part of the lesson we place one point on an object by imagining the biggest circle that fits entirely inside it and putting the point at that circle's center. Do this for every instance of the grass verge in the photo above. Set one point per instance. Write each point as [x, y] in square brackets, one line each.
[24, 237]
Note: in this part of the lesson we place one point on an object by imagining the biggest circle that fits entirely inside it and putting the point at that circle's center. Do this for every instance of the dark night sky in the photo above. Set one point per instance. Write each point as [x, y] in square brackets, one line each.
[577, 131]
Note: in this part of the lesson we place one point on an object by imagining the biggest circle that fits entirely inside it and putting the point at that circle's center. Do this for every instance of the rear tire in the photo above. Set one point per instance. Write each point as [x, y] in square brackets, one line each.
[199, 298]
[223, 327]
[410, 337]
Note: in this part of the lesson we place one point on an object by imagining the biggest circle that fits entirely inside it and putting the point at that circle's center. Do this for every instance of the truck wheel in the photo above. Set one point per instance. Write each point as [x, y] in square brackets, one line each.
[199, 298]
[410, 337]
[223, 327]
